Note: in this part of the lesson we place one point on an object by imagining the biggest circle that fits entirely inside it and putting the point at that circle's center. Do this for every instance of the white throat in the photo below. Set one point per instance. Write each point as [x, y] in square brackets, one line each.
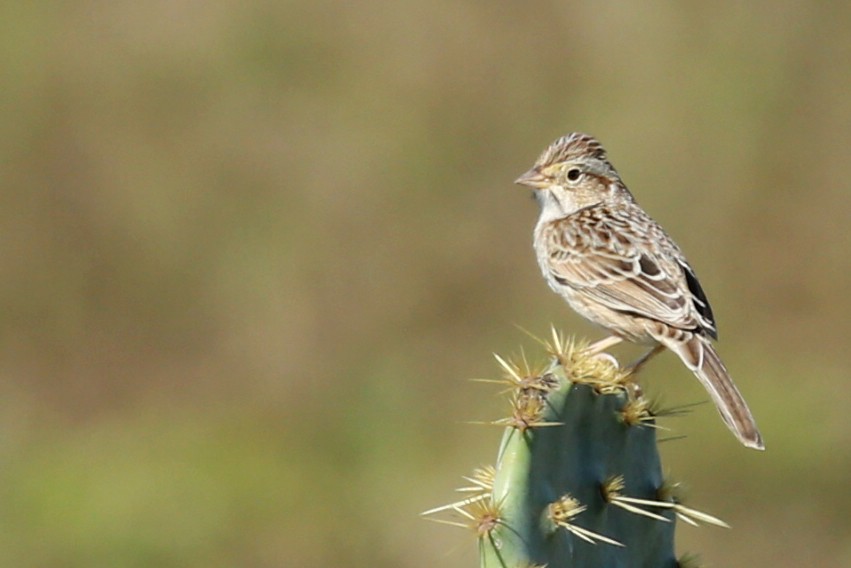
[557, 204]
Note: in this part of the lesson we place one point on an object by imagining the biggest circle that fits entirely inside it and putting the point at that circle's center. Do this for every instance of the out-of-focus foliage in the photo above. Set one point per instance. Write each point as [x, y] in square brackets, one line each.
[251, 250]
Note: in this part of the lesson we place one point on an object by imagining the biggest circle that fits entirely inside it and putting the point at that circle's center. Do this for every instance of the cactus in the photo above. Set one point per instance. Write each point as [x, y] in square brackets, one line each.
[578, 481]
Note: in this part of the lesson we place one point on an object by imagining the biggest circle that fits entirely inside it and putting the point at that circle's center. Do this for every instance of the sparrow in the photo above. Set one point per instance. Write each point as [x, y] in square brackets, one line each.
[615, 266]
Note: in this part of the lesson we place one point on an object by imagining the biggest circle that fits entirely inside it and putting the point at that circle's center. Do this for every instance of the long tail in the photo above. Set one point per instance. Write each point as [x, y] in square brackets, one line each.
[699, 355]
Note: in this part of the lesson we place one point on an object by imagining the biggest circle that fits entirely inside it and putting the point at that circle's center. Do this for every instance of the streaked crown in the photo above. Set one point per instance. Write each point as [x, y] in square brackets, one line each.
[573, 147]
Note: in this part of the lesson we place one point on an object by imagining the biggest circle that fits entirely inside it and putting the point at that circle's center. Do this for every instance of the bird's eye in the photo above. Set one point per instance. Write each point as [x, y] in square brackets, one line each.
[573, 174]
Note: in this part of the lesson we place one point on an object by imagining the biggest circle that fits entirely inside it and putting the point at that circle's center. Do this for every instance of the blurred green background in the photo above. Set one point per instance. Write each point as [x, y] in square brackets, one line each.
[252, 251]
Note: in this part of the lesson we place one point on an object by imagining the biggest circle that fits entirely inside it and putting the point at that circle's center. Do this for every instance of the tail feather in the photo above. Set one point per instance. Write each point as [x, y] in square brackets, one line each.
[700, 356]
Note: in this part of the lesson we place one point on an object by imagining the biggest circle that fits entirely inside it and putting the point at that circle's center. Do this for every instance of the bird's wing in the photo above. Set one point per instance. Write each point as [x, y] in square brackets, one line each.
[621, 268]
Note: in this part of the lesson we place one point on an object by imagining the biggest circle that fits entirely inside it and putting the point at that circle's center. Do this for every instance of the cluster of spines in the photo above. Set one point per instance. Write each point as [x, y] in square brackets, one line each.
[530, 391]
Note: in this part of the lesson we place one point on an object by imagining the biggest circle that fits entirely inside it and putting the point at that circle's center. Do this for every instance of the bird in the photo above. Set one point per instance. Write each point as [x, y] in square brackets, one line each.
[615, 266]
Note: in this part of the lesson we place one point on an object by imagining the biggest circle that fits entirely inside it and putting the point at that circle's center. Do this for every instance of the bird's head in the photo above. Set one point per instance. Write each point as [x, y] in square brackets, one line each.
[571, 174]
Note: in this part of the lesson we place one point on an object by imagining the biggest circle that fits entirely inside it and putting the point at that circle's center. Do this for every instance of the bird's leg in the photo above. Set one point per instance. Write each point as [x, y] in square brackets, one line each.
[599, 346]
[635, 367]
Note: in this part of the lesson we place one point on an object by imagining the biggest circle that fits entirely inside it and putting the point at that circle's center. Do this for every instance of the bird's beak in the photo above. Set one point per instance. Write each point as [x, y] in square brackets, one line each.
[534, 179]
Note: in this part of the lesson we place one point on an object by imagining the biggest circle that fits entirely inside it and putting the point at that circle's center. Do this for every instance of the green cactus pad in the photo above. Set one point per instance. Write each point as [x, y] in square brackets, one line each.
[586, 446]
[578, 481]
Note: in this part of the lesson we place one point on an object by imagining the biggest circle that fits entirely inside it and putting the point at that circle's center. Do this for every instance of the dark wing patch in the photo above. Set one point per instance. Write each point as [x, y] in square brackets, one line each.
[701, 303]
[648, 267]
